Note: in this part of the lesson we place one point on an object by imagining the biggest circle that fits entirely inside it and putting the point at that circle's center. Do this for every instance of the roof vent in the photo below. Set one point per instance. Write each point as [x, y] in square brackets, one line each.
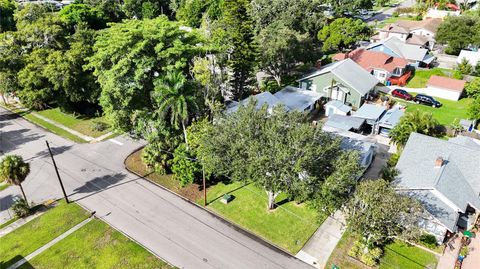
[438, 162]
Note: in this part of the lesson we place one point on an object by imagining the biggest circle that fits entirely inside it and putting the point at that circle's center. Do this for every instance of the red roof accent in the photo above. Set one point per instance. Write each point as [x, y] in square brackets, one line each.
[374, 60]
[339, 56]
[447, 83]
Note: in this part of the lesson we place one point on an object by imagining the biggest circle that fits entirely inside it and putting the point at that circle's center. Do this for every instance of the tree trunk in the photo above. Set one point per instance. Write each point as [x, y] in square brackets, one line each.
[278, 79]
[23, 192]
[185, 134]
[4, 100]
[271, 199]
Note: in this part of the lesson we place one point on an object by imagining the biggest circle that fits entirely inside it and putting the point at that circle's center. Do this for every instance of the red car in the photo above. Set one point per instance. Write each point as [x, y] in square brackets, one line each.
[402, 94]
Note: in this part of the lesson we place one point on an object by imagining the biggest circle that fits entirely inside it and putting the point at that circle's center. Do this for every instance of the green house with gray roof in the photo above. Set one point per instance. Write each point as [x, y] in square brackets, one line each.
[344, 80]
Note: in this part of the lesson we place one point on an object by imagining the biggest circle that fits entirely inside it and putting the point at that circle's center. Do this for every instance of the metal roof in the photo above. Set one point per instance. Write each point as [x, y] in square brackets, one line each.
[264, 98]
[370, 112]
[346, 123]
[339, 105]
[391, 118]
[350, 73]
[297, 99]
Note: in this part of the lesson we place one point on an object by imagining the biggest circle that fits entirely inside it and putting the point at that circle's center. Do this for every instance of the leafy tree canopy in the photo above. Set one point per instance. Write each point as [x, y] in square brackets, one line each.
[457, 32]
[416, 121]
[130, 57]
[473, 88]
[75, 14]
[342, 33]
[378, 213]
[278, 151]
[342, 7]
[7, 8]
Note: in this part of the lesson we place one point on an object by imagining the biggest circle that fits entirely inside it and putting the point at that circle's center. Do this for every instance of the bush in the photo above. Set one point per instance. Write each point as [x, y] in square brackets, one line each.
[371, 257]
[183, 167]
[99, 126]
[428, 240]
[395, 14]
[20, 207]
[356, 249]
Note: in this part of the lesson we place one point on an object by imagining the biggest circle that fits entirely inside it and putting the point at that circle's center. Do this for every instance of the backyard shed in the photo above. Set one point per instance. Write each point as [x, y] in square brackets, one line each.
[337, 107]
[346, 123]
[447, 88]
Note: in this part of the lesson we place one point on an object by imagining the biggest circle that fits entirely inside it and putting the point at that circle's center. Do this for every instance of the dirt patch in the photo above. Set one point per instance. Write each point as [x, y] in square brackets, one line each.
[192, 192]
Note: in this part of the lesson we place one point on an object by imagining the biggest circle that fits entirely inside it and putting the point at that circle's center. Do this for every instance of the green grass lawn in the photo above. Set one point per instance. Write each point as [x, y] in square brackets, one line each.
[397, 255]
[392, 20]
[8, 222]
[420, 78]
[401, 255]
[447, 113]
[289, 226]
[38, 232]
[96, 245]
[79, 124]
[4, 186]
[50, 127]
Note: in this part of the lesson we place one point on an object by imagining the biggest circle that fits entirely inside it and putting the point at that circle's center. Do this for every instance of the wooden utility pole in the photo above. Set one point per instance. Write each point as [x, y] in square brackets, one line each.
[58, 174]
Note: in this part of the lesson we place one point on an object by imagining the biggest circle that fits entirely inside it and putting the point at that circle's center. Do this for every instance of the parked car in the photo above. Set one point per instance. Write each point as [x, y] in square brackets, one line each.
[402, 94]
[426, 100]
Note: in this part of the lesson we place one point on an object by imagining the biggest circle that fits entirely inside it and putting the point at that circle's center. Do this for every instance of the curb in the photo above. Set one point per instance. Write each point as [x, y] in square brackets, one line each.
[237, 227]
[126, 235]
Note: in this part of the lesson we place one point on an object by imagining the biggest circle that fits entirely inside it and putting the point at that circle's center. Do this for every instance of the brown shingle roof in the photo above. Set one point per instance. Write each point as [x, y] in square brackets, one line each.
[447, 83]
[405, 26]
[373, 59]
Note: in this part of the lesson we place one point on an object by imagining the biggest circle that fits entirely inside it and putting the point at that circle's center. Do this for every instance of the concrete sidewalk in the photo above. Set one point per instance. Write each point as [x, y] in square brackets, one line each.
[49, 244]
[321, 245]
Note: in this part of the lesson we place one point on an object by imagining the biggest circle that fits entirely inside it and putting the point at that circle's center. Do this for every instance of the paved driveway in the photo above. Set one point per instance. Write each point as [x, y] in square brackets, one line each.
[94, 176]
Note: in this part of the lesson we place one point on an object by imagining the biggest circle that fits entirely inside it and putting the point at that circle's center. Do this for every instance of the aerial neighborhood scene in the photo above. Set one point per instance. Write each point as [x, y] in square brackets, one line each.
[240, 134]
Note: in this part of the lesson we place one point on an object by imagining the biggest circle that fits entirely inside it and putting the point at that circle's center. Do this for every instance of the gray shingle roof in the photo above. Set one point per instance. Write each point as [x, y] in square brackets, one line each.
[391, 118]
[436, 207]
[370, 112]
[350, 73]
[297, 99]
[402, 49]
[346, 123]
[456, 183]
[262, 98]
[339, 105]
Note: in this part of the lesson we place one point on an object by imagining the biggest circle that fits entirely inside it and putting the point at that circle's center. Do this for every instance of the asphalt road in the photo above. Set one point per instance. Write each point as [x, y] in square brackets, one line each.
[387, 13]
[94, 176]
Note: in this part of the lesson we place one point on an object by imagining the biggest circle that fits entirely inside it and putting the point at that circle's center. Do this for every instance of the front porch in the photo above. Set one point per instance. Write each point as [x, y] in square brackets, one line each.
[401, 80]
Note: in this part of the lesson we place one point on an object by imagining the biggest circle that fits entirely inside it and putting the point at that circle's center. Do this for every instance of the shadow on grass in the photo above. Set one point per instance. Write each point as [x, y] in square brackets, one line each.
[407, 258]
[7, 264]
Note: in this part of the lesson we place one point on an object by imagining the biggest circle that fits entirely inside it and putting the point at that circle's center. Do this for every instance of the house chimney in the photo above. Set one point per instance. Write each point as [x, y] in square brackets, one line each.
[438, 162]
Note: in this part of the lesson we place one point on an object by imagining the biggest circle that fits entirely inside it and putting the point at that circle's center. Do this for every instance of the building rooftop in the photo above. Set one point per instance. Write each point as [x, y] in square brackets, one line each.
[446, 83]
[297, 99]
[346, 123]
[339, 105]
[402, 49]
[350, 73]
[473, 57]
[370, 112]
[370, 60]
[447, 169]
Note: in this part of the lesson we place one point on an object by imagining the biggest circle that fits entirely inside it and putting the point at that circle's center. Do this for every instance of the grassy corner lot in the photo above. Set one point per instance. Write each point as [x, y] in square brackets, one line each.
[38, 232]
[447, 113]
[289, 226]
[396, 255]
[421, 76]
[96, 245]
[80, 124]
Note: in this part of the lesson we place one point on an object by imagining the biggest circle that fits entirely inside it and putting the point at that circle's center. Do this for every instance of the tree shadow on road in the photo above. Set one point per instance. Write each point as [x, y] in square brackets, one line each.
[55, 151]
[99, 184]
[12, 140]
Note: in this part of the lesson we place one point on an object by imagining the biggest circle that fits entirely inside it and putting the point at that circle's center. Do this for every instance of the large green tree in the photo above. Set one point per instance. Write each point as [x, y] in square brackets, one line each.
[342, 33]
[11, 61]
[278, 151]
[342, 7]
[7, 8]
[14, 171]
[130, 57]
[473, 88]
[474, 109]
[146, 9]
[378, 213]
[282, 49]
[415, 121]
[303, 16]
[192, 12]
[457, 32]
[76, 14]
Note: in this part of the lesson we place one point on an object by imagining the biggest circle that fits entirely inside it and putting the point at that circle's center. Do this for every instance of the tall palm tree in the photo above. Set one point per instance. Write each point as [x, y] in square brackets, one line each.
[14, 170]
[175, 98]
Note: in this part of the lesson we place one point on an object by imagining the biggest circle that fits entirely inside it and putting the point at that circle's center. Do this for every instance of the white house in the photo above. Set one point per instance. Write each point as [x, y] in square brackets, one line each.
[473, 57]
[446, 88]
